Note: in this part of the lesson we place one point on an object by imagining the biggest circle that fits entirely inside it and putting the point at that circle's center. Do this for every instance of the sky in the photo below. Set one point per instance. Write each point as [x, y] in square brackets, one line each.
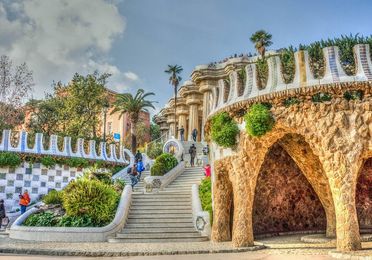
[135, 40]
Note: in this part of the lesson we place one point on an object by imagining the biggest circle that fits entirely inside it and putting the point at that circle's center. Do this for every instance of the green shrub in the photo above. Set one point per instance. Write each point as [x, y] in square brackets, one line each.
[259, 120]
[262, 70]
[224, 130]
[8, 159]
[155, 149]
[76, 221]
[90, 198]
[77, 162]
[205, 194]
[163, 164]
[353, 95]
[321, 97]
[288, 63]
[43, 219]
[48, 161]
[291, 101]
[53, 197]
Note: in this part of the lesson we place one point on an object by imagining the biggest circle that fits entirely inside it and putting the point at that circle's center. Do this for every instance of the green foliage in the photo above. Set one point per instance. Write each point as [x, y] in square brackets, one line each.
[262, 70]
[288, 63]
[90, 198]
[205, 194]
[8, 159]
[353, 95]
[43, 219]
[154, 131]
[291, 101]
[261, 40]
[155, 149]
[224, 130]
[53, 197]
[321, 97]
[259, 120]
[77, 162]
[95, 173]
[163, 164]
[48, 161]
[76, 221]
[317, 62]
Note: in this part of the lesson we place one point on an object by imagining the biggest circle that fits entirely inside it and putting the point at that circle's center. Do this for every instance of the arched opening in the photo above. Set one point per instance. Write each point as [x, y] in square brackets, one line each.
[284, 199]
[363, 198]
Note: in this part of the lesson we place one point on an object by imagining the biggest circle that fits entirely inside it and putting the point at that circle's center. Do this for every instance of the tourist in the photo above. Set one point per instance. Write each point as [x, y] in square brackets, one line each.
[2, 212]
[140, 168]
[207, 170]
[206, 149]
[194, 134]
[132, 171]
[24, 200]
[138, 156]
[192, 152]
[182, 133]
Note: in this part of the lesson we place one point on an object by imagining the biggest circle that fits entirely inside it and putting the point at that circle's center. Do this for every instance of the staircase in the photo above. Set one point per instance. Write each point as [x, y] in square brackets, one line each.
[165, 216]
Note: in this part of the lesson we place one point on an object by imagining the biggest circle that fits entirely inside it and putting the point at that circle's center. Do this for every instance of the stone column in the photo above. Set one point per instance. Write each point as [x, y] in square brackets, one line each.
[193, 117]
[206, 88]
[182, 112]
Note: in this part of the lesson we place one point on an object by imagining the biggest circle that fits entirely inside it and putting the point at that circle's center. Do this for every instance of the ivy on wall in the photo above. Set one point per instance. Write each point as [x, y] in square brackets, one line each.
[259, 120]
[224, 130]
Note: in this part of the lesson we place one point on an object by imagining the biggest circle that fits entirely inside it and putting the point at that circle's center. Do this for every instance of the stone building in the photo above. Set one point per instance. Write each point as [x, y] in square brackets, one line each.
[311, 172]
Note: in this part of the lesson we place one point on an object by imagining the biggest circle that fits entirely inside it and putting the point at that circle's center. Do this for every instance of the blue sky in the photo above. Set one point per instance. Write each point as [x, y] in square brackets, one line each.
[136, 39]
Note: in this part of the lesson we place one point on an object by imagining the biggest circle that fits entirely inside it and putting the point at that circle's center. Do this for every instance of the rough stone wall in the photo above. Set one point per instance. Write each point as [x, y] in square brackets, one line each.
[284, 199]
[364, 195]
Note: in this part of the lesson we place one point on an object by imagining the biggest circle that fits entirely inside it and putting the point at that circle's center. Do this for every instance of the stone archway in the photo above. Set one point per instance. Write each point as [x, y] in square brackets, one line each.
[363, 198]
[284, 199]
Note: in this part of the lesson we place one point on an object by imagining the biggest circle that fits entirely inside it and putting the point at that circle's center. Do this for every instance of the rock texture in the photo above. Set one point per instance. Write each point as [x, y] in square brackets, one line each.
[284, 199]
[364, 195]
[337, 136]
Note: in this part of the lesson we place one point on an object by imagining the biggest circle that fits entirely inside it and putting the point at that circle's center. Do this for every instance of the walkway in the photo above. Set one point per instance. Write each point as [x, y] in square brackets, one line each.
[165, 216]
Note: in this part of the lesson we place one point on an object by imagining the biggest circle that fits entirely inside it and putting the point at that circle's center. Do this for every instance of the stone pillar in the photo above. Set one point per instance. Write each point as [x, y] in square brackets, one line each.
[182, 112]
[193, 117]
[222, 198]
[206, 88]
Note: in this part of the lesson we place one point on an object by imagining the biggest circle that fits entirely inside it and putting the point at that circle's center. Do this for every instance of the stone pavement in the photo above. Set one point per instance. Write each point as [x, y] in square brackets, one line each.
[290, 246]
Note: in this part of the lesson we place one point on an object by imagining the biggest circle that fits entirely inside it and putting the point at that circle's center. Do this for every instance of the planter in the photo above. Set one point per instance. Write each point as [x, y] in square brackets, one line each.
[154, 184]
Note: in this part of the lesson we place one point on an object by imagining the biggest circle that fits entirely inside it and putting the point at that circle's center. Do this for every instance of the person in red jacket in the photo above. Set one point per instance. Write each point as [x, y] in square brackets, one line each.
[207, 170]
[24, 200]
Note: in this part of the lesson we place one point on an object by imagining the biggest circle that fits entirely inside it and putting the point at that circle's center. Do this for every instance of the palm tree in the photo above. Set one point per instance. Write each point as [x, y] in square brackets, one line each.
[261, 40]
[133, 105]
[174, 71]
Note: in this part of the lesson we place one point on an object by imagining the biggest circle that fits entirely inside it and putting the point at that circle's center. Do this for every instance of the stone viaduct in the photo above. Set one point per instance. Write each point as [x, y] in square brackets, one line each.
[312, 171]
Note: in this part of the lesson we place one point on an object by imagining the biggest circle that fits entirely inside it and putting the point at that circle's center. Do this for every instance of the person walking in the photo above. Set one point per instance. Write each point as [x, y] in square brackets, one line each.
[24, 200]
[140, 169]
[138, 156]
[207, 170]
[192, 152]
[132, 171]
[2, 212]
[182, 133]
[194, 134]
[206, 150]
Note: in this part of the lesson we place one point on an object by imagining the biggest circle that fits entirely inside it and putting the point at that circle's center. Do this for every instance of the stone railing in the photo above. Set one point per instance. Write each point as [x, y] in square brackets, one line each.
[67, 151]
[201, 219]
[73, 234]
[303, 77]
[157, 183]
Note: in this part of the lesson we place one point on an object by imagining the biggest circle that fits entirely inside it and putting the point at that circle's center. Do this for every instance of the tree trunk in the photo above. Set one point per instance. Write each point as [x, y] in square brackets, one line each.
[175, 111]
[133, 126]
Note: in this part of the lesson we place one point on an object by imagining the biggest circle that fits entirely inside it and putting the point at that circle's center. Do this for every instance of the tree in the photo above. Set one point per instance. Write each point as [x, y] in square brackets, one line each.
[174, 71]
[261, 40]
[154, 131]
[133, 105]
[84, 98]
[15, 86]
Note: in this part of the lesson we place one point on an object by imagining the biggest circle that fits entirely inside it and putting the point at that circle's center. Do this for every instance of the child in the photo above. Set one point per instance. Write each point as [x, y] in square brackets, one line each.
[207, 170]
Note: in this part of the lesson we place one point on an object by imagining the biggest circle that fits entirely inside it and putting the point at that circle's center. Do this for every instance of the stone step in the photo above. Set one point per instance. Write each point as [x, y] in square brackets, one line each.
[158, 230]
[159, 212]
[170, 190]
[176, 194]
[187, 220]
[161, 216]
[171, 225]
[193, 234]
[161, 207]
[165, 200]
[157, 240]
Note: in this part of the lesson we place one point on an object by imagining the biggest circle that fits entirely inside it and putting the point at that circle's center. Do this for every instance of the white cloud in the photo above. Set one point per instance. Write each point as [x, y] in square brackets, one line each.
[58, 38]
[131, 76]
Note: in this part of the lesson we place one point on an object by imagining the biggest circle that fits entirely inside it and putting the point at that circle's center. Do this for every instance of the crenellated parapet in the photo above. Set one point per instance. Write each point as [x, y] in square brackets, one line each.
[67, 151]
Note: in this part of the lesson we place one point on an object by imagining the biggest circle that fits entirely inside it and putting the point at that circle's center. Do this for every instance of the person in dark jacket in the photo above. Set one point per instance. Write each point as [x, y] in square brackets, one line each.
[194, 134]
[192, 152]
[2, 212]
[140, 168]
[132, 171]
[138, 156]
